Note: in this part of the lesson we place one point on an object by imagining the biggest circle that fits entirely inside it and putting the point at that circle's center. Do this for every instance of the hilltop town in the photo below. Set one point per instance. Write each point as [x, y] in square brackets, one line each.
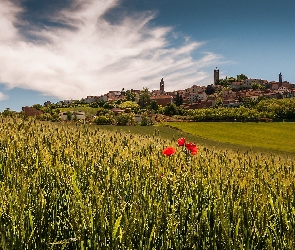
[229, 92]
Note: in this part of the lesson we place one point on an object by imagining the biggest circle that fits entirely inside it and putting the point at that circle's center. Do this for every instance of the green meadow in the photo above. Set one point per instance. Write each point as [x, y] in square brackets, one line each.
[273, 138]
[270, 137]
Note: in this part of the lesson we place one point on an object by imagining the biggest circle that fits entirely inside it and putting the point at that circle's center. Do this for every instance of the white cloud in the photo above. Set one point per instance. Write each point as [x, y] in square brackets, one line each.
[92, 56]
[8, 20]
[3, 97]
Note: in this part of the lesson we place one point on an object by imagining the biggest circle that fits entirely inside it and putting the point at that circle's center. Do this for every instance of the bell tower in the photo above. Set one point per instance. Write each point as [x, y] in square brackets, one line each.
[280, 78]
[162, 86]
[216, 75]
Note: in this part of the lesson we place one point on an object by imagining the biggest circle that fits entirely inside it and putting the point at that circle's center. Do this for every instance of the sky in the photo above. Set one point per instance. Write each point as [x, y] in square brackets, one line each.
[54, 50]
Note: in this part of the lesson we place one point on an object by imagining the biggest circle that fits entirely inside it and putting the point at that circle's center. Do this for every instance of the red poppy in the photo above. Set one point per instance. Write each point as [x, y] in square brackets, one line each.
[181, 141]
[168, 151]
[192, 148]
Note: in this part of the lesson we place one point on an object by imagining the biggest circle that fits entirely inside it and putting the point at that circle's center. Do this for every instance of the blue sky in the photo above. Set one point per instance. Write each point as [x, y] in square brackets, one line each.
[55, 50]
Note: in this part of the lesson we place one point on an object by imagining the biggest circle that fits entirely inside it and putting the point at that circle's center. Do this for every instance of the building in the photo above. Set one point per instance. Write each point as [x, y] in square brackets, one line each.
[162, 86]
[216, 75]
[248, 82]
[236, 85]
[79, 115]
[194, 97]
[280, 78]
[91, 99]
[29, 111]
[162, 99]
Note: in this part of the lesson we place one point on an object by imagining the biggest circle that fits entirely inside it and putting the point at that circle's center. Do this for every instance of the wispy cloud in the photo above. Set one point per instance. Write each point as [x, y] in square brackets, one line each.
[87, 55]
[3, 97]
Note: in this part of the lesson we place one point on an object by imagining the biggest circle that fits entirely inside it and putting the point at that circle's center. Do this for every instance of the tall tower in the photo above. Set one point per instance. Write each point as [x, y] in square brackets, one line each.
[162, 86]
[280, 78]
[216, 75]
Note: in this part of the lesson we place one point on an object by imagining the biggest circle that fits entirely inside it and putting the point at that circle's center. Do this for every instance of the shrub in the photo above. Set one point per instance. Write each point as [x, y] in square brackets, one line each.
[103, 120]
[146, 120]
[124, 119]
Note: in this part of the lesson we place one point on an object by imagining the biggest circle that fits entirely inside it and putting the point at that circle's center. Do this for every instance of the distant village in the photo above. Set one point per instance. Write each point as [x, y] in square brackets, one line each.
[229, 92]
[231, 95]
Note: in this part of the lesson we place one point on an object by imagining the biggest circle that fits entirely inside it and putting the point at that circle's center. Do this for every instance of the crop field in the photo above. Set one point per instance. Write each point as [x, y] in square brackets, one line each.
[84, 187]
[273, 137]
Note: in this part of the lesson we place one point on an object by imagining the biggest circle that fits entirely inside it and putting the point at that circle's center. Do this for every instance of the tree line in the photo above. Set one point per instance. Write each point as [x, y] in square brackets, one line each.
[251, 110]
[264, 110]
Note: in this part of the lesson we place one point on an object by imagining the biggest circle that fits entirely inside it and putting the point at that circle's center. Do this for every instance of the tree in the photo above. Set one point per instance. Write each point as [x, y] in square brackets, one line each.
[130, 96]
[223, 82]
[154, 105]
[75, 118]
[145, 119]
[102, 111]
[144, 98]
[231, 79]
[219, 102]
[37, 106]
[109, 105]
[259, 86]
[129, 105]
[103, 120]
[210, 90]
[241, 77]
[125, 118]
[170, 109]
[254, 85]
[7, 112]
[69, 115]
[178, 99]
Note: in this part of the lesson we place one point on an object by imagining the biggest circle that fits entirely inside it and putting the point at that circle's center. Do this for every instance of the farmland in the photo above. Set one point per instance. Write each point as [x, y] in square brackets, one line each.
[272, 137]
[88, 187]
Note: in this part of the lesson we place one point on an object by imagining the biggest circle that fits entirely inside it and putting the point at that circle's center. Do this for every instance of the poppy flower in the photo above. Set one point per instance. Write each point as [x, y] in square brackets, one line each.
[192, 148]
[168, 151]
[181, 141]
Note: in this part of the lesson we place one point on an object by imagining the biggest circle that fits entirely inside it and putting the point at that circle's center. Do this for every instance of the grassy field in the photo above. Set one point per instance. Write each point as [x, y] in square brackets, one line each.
[270, 137]
[273, 138]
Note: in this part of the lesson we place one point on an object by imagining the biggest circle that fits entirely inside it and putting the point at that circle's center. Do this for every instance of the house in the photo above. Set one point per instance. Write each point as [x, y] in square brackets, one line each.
[69, 101]
[252, 95]
[250, 81]
[227, 93]
[103, 98]
[117, 111]
[137, 118]
[236, 85]
[30, 111]
[200, 105]
[231, 103]
[284, 92]
[91, 99]
[193, 97]
[79, 115]
[274, 85]
[162, 99]
[286, 84]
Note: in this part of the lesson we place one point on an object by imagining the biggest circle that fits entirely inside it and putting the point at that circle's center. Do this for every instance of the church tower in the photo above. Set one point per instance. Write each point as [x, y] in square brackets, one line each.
[162, 86]
[216, 75]
[280, 78]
